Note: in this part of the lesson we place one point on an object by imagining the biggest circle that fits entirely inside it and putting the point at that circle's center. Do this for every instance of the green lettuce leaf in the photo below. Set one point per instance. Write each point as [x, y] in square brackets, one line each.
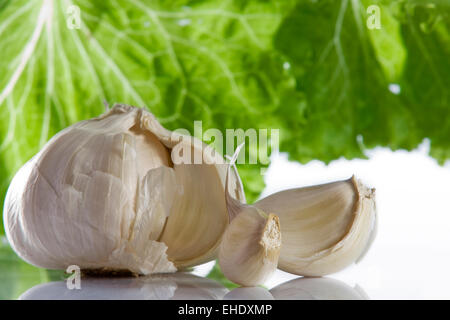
[217, 275]
[367, 87]
[309, 68]
[16, 276]
[184, 61]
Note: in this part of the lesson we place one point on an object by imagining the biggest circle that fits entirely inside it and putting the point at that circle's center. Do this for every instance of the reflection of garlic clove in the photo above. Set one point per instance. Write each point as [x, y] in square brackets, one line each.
[250, 246]
[99, 193]
[317, 289]
[249, 293]
[325, 228]
[191, 287]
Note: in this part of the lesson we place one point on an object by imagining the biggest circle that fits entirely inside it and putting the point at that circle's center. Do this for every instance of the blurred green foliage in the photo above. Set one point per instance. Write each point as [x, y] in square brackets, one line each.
[17, 276]
[312, 69]
[216, 274]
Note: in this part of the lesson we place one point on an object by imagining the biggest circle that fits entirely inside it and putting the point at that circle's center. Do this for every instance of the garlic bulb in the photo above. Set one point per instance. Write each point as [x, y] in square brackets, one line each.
[99, 193]
[251, 244]
[325, 228]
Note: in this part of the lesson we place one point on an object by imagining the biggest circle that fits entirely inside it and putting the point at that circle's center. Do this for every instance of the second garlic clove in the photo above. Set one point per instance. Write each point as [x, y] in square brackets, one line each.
[325, 227]
[250, 247]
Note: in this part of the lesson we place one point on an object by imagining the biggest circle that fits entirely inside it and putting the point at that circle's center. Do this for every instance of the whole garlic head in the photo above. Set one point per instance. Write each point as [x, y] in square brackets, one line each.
[107, 193]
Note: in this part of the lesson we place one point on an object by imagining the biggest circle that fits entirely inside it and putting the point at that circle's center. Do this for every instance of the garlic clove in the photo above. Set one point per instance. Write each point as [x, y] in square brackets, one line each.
[325, 228]
[251, 244]
[250, 248]
[199, 217]
[196, 224]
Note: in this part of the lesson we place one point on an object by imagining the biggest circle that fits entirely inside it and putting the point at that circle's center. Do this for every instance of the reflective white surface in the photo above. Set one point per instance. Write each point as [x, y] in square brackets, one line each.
[317, 289]
[182, 286]
[178, 286]
[250, 293]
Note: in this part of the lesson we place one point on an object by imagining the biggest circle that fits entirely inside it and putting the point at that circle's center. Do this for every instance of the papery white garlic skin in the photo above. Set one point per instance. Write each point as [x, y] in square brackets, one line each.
[99, 193]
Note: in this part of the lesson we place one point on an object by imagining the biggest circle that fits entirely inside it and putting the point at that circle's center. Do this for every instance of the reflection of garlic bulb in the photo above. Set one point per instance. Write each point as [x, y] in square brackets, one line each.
[178, 286]
[107, 193]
